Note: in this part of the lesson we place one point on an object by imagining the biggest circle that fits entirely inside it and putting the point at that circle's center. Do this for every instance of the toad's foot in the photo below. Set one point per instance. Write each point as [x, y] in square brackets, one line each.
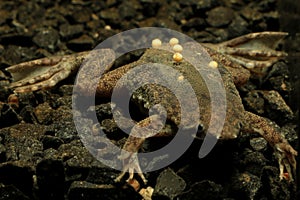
[47, 72]
[152, 126]
[285, 155]
[254, 51]
[43, 73]
[284, 152]
[130, 165]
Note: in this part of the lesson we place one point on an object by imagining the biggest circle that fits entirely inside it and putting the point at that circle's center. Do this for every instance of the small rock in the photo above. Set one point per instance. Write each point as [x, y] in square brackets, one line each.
[82, 43]
[51, 142]
[277, 105]
[204, 5]
[27, 114]
[81, 15]
[63, 130]
[196, 23]
[238, 27]
[254, 162]
[219, 33]
[15, 54]
[68, 31]
[150, 7]
[254, 102]
[219, 16]
[46, 38]
[111, 16]
[127, 10]
[169, 184]
[246, 186]
[258, 144]
[44, 113]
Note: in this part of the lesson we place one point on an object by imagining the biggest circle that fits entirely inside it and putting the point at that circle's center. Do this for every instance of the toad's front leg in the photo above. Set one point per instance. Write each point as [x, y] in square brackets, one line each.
[47, 72]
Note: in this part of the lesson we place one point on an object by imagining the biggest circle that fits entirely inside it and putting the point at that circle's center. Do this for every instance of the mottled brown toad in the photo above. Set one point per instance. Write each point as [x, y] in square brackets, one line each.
[236, 59]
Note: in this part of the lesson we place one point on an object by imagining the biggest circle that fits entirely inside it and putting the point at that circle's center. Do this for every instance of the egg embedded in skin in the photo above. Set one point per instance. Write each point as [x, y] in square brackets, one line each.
[177, 57]
[156, 43]
[173, 41]
[177, 48]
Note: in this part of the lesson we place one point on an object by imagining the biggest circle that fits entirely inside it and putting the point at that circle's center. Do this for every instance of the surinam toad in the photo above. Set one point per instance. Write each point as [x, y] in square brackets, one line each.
[235, 59]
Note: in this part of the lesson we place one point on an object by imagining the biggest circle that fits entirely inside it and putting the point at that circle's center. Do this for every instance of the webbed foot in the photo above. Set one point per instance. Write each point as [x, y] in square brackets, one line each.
[285, 155]
[43, 73]
[254, 51]
[130, 165]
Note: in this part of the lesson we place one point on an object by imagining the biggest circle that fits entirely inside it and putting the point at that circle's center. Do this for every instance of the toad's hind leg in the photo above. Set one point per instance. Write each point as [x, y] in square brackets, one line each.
[283, 150]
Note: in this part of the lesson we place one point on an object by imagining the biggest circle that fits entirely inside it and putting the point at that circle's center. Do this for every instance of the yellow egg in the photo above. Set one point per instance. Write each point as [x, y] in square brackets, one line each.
[177, 48]
[177, 57]
[180, 78]
[173, 41]
[213, 64]
[156, 43]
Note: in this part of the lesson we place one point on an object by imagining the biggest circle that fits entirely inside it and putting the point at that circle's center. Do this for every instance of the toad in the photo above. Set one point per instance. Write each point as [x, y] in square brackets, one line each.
[236, 60]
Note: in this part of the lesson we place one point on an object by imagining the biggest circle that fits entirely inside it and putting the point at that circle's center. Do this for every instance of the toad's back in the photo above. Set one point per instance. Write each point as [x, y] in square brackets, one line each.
[174, 80]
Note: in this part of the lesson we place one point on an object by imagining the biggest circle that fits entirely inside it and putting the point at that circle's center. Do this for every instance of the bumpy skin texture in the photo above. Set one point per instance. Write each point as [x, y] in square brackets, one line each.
[235, 58]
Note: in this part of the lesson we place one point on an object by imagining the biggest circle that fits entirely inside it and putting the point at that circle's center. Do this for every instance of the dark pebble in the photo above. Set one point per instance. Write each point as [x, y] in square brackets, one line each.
[80, 15]
[47, 38]
[219, 16]
[258, 144]
[149, 7]
[195, 23]
[246, 186]
[169, 184]
[238, 27]
[43, 113]
[111, 16]
[253, 163]
[127, 10]
[82, 43]
[51, 142]
[16, 54]
[254, 102]
[220, 34]
[68, 31]
[65, 131]
[269, 104]
[27, 114]
[204, 5]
